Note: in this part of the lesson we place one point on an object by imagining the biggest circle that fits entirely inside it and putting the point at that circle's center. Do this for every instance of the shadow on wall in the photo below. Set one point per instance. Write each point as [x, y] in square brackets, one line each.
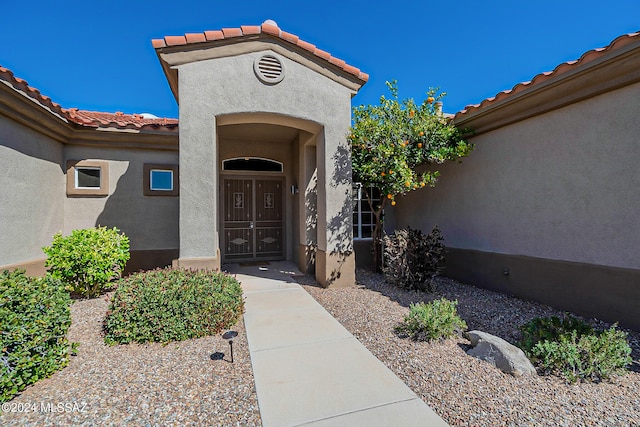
[38, 148]
[340, 227]
[311, 222]
[150, 222]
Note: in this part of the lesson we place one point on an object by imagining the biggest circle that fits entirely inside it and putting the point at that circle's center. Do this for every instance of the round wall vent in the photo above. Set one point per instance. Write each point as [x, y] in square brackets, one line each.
[269, 69]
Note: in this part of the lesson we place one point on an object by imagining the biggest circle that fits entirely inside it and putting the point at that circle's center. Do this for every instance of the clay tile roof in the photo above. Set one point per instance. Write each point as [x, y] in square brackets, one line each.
[587, 57]
[7, 76]
[250, 30]
[120, 120]
[87, 118]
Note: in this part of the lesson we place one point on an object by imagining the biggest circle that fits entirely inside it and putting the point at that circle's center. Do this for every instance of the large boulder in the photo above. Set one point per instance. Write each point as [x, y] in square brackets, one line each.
[496, 351]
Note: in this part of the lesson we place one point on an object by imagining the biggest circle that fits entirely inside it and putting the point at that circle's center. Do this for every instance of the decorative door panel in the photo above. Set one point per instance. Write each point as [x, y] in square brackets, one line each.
[269, 241]
[253, 219]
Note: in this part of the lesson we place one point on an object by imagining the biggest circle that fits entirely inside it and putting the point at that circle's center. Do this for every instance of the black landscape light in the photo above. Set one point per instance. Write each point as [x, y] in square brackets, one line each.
[230, 335]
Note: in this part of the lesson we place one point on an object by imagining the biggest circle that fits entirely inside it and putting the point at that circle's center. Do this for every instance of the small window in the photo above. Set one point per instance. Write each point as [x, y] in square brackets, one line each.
[160, 180]
[251, 164]
[364, 220]
[87, 178]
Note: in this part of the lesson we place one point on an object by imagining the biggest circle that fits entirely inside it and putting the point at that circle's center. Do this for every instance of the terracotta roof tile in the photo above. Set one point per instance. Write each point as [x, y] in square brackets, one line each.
[158, 43]
[88, 118]
[175, 40]
[214, 35]
[587, 57]
[266, 28]
[322, 54]
[305, 45]
[250, 29]
[292, 38]
[119, 120]
[21, 85]
[271, 29]
[195, 38]
[231, 32]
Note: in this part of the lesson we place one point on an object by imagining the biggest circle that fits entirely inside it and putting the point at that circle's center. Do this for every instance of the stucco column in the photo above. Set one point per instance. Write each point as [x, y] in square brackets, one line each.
[335, 259]
[199, 247]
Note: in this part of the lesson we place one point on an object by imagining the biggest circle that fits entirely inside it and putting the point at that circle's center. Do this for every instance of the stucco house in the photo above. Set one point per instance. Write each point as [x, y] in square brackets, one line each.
[258, 169]
[547, 206]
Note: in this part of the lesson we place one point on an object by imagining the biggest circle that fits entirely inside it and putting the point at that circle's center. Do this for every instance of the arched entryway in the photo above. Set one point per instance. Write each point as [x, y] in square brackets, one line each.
[267, 190]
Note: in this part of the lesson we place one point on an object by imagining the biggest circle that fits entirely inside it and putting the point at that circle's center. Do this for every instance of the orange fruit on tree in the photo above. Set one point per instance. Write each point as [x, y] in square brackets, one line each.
[430, 99]
[393, 203]
[383, 174]
[422, 184]
[389, 196]
[412, 113]
[421, 133]
[419, 144]
[408, 184]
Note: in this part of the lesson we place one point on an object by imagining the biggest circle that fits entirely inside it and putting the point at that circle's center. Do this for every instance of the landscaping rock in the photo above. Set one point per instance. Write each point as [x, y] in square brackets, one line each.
[498, 352]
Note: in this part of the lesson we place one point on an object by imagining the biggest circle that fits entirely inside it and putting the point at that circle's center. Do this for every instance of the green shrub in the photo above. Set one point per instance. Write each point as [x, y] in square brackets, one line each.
[34, 320]
[413, 260]
[87, 260]
[172, 305]
[433, 321]
[572, 349]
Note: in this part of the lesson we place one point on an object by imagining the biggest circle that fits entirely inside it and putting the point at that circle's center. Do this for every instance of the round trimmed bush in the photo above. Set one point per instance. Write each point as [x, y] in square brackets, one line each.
[172, 305]
[87, 260]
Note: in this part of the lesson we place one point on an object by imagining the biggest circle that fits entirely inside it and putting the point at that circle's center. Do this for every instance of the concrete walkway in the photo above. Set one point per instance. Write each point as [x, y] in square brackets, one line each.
[309, 370]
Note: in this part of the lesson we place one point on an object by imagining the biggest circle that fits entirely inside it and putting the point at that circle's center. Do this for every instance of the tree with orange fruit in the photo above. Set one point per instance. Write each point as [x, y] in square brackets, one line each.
[389, 141]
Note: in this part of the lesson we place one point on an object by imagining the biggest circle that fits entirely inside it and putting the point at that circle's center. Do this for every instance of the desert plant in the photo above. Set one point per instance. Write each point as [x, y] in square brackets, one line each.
[34, 320]
[391, 140]
[172, 305]
[413, 260]
[572, 349]
[87, 260]
[433, 321]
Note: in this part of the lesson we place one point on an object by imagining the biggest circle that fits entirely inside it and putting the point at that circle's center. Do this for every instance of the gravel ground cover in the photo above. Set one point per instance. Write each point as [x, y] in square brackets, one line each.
[178, 384]
[466, 391]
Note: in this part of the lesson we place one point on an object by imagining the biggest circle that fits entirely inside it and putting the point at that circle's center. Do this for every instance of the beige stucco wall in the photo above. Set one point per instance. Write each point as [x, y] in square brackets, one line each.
[150, 222]
[31, 206]
[564, 185]
[211, 89]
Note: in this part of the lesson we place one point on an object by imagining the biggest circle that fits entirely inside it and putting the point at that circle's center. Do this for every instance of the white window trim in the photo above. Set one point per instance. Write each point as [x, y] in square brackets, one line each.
[359, 212]
[76, 168]
[151, 171]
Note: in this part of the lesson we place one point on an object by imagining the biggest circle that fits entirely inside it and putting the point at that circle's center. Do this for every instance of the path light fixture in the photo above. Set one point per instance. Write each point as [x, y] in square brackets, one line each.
[230, 335]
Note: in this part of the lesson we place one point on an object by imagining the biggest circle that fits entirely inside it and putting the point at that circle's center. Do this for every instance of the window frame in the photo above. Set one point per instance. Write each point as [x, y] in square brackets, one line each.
[148, 168]
[358, 210]
[76, 169]
[72, 178]
[227, 162]
[160, 171]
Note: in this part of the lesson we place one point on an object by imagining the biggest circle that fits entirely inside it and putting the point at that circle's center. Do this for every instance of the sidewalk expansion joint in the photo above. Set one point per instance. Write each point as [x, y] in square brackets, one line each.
[355, 411]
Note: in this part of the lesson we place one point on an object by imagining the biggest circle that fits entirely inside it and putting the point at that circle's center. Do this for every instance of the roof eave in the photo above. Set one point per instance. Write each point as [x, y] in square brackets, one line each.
[605, 72]
[173, 56]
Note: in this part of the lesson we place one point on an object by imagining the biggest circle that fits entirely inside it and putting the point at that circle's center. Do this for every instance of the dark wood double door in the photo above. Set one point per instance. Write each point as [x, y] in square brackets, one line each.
[253, 219]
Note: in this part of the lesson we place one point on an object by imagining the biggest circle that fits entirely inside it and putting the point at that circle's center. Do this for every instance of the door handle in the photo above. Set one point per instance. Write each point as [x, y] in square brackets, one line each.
[251, 225]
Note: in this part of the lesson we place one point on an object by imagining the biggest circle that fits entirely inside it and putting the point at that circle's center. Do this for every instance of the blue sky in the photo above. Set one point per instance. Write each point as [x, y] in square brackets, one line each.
[98, 55]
